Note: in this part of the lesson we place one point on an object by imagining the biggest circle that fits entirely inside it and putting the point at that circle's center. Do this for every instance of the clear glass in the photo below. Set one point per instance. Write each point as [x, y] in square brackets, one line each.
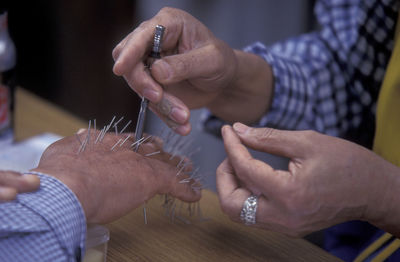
[96, 244]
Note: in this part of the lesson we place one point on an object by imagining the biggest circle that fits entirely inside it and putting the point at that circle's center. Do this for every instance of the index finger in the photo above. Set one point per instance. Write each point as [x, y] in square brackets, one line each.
[259, 174]
[229, 191]
[132, 52]
[134, 49]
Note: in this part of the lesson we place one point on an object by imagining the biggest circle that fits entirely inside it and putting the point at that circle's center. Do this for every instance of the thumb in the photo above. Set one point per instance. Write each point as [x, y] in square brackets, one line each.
[289, 144]
[199, 62]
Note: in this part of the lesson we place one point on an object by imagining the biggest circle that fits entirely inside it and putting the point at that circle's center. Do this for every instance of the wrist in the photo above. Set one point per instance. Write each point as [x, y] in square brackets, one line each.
[251, 88]
[76, 188]
[383, 210]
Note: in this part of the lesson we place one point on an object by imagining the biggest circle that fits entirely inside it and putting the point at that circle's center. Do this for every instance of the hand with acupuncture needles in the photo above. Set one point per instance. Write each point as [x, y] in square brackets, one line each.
[12, 183]
[111, 183]
[329, 180]
[196, 70]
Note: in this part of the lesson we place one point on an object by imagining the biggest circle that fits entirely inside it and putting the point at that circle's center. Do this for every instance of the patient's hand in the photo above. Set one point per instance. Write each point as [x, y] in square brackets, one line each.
[110, 183]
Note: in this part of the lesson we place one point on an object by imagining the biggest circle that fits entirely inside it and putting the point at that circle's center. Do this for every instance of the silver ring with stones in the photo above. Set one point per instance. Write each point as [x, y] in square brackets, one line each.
[249, 210]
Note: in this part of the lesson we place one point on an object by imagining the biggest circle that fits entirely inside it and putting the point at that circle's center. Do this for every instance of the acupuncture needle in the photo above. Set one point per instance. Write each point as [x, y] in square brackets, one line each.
[155, 54]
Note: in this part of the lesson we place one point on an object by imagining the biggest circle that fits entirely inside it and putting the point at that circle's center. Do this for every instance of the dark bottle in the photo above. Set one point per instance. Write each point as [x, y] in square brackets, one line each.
[7, 82]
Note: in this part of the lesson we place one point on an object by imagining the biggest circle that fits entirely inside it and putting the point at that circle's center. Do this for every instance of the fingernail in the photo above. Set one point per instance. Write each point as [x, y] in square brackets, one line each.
[80, 131]
[224, 129]
[164, 107]
[179, 115]
[171, 124]
[240, 128]
[151, 94]
[183, 130]
[163, 69]
[180, 129]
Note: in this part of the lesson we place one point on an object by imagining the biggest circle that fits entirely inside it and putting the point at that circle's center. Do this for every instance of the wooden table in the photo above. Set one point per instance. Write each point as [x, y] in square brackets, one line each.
[34, 116]
[216, 239]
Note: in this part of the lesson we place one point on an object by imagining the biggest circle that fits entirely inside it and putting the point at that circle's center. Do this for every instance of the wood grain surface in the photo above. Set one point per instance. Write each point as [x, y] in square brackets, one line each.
[216, 239]
[34, 115]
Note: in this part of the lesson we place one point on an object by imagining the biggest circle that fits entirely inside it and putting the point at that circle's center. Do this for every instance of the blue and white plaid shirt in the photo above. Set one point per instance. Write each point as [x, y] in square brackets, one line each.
[46, 225]
[329, 80]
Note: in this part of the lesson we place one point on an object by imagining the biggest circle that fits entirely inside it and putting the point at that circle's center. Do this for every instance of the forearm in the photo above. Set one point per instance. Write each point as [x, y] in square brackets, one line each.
[248, 97]
[385, 213]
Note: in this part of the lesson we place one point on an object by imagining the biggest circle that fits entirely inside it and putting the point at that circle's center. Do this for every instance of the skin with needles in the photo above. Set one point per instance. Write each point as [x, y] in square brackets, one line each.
[108, 183]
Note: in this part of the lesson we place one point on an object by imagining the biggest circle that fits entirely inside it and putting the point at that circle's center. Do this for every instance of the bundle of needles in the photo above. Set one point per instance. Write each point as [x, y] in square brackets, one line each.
[180, 148]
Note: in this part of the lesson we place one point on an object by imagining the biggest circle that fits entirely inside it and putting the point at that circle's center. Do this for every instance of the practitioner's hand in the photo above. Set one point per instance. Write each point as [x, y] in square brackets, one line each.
[12, 183]
[108, 183]
[329, 181]
[196, 70]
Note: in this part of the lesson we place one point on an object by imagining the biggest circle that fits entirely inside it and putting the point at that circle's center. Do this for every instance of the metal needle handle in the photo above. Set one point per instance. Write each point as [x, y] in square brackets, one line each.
[155, 54]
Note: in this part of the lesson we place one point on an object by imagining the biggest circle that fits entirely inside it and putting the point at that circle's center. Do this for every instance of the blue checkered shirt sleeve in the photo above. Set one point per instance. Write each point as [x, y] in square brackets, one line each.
[46, 225]
[329, 80]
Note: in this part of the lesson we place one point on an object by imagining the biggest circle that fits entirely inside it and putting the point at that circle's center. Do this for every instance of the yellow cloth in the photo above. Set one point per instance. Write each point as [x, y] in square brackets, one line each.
[387, 138]
[387, 133]
[373, 247]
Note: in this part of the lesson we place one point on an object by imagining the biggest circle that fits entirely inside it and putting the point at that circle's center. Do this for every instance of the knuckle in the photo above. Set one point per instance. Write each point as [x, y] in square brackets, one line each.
[115, 52]
[140, 28]
[308, 134]
[52, 149]
[142, 25]
[220, 170]
[137, 83]
[168, 12]
[182, 67]
[310, 138]
[263, 134]
[218, 65]
[167, 9]
[267, 133]
[244, 168]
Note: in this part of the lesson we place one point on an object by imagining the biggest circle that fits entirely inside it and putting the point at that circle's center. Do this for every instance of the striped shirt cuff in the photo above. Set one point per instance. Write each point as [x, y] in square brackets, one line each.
[61, 209]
